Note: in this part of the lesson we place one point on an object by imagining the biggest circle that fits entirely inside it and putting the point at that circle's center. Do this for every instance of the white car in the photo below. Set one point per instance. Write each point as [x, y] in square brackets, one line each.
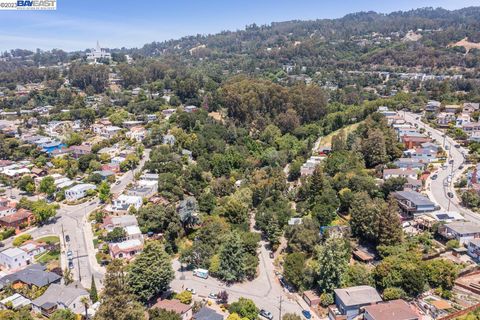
[191, 290]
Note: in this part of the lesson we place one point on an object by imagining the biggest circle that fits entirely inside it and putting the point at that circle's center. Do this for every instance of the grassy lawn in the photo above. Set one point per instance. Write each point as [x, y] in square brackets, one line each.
[327, 140]
[49, 239]
[48, 256]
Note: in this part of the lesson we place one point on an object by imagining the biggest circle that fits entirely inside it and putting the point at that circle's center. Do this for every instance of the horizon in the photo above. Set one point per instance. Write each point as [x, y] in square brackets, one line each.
[74, 26]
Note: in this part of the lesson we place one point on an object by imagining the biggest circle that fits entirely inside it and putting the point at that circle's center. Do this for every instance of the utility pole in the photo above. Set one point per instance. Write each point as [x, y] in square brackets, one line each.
[79, 273]
[280, 314]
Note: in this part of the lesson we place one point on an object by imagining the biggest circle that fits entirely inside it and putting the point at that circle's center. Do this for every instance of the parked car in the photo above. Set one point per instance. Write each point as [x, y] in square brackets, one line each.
[69, 253]
[213, 296]
[70, 264]
[434, 177]
[117, 182]
[450, 194]
[307, 314]
[67, 238]
[191, 290]
[271, 255]
[461, 167]
[450, 161]
[266, 314]
[457, 146]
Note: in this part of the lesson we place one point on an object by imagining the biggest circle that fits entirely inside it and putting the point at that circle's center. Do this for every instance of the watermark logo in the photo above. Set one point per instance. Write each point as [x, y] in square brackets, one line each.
[28, 4]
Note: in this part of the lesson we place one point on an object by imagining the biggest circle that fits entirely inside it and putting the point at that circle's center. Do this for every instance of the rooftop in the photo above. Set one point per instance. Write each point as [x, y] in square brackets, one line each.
[391, 310]
[359, 295]
[464, 227]
[415, 197]
[172, 305]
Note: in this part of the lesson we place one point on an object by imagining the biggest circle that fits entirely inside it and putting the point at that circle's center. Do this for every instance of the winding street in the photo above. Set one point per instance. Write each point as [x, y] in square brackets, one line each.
[438, 188]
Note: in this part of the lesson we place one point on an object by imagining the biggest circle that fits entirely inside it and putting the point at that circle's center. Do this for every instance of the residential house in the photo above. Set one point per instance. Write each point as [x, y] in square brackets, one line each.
[115, 168]
[462, 119]
[470, 107]
[295, 221]
[308, 167]
[169, 139]
[463, 231]
[444, 118]
[190, 109]
[413, 184]
[409, 163]
[453, 108]
[406, 130]
[390, 310]
[110, 131]
[7, 207]
[144, 189]
[124, 202]
[432, 106]
[412, 203]
[15, 301]
[168, 112]
[471, 127]
[137, 134]
[474, 136]
[411, 142]
[149, 176]
[20, 218]
[79, 191]
[125, 249]
[112, 222]
[132, 124]
[205, 313]
[117, 160]
[473, 248]
[184, 310]
[399, 173]
[133, 233]
[34, 275]
[348, 301]
[424, 155]
[78, 151]
[151, 117]
[58, 297]
[14, 258]
[104, 174]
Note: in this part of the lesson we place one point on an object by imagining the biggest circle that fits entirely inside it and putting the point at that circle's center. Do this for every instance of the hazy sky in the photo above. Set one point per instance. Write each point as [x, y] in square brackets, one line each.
[78, 24]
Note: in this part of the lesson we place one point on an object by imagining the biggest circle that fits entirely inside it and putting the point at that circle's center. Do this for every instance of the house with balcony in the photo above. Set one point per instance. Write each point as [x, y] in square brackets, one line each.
[462, 119]
[124, 202]
[432, 106]
[470, 107]
[412, 203]
[79, 191]
[473, 248]
[409, 163]
[471, 128]
[399, 173]
[414, 141]
[112, 222]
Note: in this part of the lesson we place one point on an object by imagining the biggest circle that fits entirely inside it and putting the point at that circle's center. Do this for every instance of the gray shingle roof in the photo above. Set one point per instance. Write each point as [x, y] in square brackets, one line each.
[415, 197]
[32, 275]
[207, 314]
[57, 293]
[359, 295]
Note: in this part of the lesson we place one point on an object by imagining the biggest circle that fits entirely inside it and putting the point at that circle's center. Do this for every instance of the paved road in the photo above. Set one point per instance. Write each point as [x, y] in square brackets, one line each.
[265, 290]
[440, 186]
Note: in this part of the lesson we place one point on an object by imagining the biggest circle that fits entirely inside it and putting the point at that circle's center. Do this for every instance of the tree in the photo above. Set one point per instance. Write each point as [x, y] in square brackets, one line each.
[26, 184]
[245, 308]
[357, 275]
[47, 185]
[117, 300]
[393, 184]
[104, 192]
[86, 303]
[151, 272]
[184, 297]
[222, 296]
[234, 316]
[374, 148]
[293, 268]
[93, 291]
[393, 293]
[116, 235]
[63, 314]
[232, 259]
[43, 211]
[67, 276]
[363, 212]
[161, 314]
[441, 273]
[333, 258]
[73, 139]
[389, 226]
[18, 241]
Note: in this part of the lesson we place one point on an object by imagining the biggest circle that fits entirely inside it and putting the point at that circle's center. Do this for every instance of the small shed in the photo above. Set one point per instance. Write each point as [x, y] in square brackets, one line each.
[311, 298]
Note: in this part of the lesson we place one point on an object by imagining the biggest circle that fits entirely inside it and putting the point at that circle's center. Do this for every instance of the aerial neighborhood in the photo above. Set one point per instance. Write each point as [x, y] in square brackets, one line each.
[305, 169]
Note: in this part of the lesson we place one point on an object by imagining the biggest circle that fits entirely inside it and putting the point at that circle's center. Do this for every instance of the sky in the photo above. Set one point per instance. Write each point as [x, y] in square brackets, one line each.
[78, 24]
